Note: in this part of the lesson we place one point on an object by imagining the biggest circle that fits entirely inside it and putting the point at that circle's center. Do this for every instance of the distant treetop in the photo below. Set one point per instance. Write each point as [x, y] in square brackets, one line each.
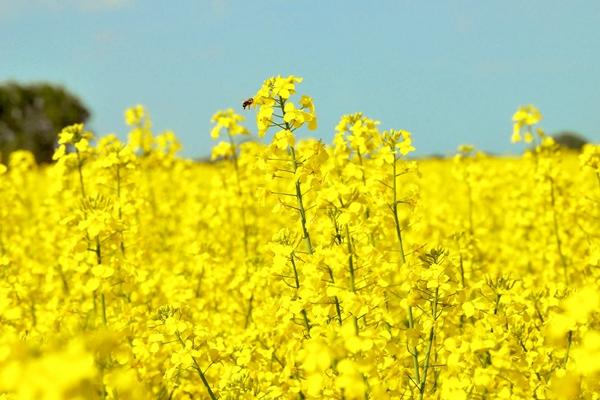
[31, 115]
[570, 140]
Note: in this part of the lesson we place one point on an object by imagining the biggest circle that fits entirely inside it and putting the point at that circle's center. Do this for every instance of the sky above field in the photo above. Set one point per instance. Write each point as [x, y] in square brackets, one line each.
[451, 72]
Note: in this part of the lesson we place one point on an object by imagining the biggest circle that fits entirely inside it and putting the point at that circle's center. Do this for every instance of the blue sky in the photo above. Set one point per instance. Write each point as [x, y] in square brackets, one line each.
[451, 72]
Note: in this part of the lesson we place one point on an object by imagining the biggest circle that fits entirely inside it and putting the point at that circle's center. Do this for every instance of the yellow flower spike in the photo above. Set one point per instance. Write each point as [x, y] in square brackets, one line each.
[285, 87]
[296, 117]
[263, 96]
[73, 134]
[263, 119]
[590, 157]
[222, 150]
[525, 116]
[60, 152]
[312, 122]
[405, 146]
[82, 145]
[214, 133]
[135, 115]
[307, 103]
[283, 139]
[516, 135]
[228, 120]
[276, 92]
[291, 114]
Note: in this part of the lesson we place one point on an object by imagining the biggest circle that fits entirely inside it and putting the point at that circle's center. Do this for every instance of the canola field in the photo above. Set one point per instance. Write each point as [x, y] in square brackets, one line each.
[295, 269]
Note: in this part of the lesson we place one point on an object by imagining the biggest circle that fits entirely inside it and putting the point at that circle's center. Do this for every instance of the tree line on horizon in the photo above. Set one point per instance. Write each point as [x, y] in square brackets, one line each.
[32, 115]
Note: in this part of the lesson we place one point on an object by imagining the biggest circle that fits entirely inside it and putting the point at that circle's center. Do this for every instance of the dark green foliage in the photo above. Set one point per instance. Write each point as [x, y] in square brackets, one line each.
[570, 140]
[32, 115]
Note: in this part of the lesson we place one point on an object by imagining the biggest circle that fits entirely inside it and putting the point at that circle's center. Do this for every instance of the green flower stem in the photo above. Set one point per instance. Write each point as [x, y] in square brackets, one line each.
[305, 234]
[211, 394]
[352, 271]
[102, 297]
[297, 284]
[415, 352]
[429, 345]
[103, 301]
[395, 211]
[296, 277]
[569, 342]
[338, 309]
[350, 260]
[249, 312]
[364, 182]
[299, 197]
[302, 211]
[461, 269]
[120, 211]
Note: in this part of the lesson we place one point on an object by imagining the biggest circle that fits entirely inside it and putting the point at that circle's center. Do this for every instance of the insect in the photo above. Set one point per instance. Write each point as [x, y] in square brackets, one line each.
[247, 103]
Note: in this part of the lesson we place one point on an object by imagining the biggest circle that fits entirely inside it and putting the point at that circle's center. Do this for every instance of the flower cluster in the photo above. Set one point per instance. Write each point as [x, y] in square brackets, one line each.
[296, 269]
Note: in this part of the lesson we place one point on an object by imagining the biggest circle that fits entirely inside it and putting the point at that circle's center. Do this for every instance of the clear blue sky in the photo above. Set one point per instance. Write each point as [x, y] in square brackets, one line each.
[451, 72]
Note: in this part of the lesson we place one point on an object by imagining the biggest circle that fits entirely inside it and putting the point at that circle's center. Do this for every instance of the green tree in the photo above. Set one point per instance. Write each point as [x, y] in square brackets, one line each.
[570, 140]
[32, 115]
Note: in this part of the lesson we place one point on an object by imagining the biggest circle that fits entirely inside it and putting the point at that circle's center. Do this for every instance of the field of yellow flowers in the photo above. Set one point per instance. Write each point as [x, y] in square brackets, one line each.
[298, 269]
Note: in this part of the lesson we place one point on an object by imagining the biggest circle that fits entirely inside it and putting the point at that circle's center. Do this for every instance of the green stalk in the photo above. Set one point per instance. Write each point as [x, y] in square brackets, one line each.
[297, 283]
[98, 252]
[429, 345]
[102, 297]
[338, 309]
[395, 213]
[301, 210]
[352, 272]
[198, 370]
[299, 197]
[120, 211]
[296, 277]
[415, 352]
[363, 178]
[569, 342]
[249, 313]
[497, 303]
[336, 300]
[462, 269]
[364, 182]
[350, 261]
